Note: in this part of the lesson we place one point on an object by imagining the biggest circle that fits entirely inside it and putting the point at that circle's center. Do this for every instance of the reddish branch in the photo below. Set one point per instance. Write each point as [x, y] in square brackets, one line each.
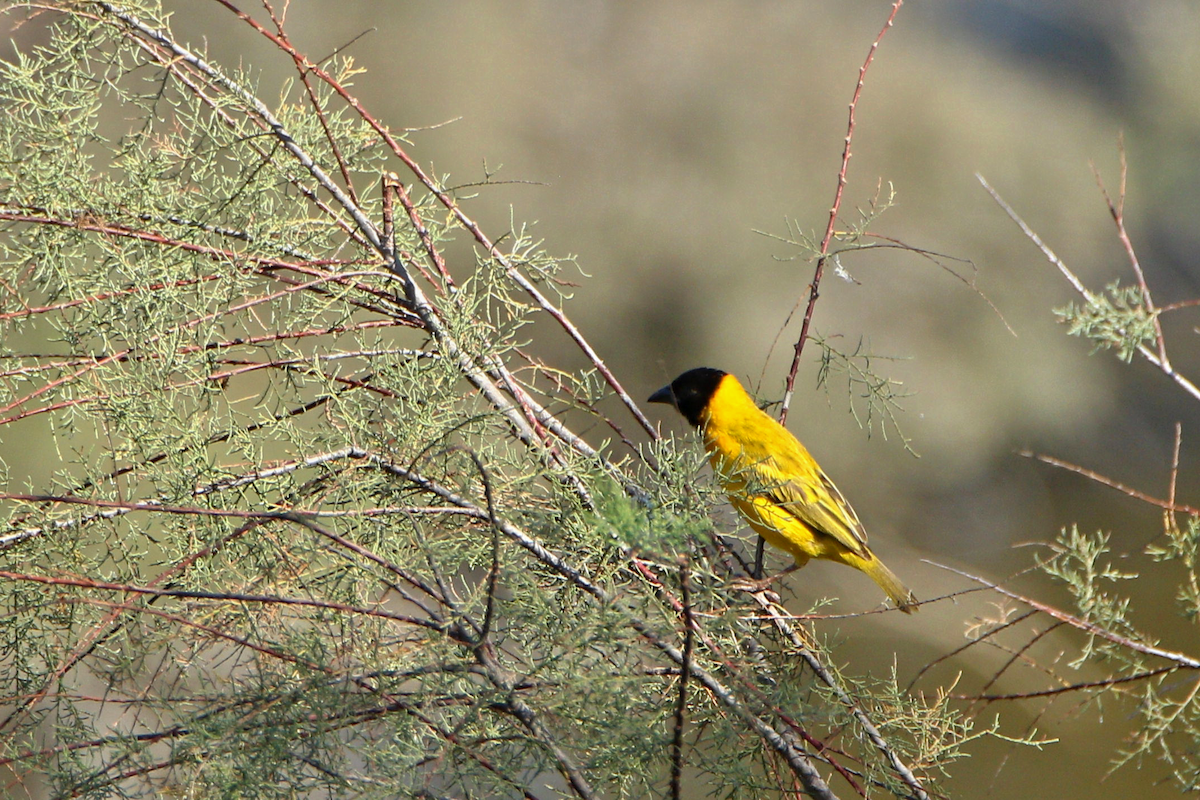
[834, 210]
[264, 265]
[681, 704]
[1167, 505]
[73, 360]
[1078, 687]
[1090, 628]
[781, 622]
[752, 683]
[1117, 210]
[229, 597]
[315, 102]
[426, 237]
[113, 229]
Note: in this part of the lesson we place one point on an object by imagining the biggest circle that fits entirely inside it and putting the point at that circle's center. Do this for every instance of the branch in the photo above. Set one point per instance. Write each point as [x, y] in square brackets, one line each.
[814, 287]
[685, 580]
[1090, 628]
[1170, 506]
[1154, 358]
[828, 678]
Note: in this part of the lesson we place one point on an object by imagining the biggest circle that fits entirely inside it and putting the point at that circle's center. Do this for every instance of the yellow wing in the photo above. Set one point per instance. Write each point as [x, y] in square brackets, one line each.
[802, 490]
[815, 501]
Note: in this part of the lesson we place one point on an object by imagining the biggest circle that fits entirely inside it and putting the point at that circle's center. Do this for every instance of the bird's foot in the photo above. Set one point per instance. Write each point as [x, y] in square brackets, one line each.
[756, 585]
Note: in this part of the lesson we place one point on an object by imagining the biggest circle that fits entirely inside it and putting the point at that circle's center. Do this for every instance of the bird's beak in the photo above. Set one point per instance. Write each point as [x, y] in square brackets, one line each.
[663, 395]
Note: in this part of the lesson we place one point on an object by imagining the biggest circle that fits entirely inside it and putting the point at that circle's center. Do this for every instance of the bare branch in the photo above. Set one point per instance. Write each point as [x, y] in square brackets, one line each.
[1179, 659]
[1168, 505]
[834, 210]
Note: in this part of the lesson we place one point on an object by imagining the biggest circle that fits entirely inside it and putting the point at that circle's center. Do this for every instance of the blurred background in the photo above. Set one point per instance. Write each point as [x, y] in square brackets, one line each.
[657, 142]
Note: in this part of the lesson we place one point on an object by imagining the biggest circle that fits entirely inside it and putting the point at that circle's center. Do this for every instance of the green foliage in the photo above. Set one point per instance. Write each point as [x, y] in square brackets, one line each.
[1118, 320]
[1078, 563]
[1182, 548]
[874, 397]
[1168, 710]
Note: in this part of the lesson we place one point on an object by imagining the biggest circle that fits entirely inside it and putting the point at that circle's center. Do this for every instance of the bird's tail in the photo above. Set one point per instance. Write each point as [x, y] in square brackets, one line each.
[900, 594]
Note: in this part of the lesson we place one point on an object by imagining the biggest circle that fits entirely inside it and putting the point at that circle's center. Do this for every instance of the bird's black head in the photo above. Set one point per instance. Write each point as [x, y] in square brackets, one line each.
[690, 392]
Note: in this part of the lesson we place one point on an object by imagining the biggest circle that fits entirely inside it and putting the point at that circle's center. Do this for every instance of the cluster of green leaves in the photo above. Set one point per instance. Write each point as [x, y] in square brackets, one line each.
[1116, 320]
[1079, 563]
[1182, 548]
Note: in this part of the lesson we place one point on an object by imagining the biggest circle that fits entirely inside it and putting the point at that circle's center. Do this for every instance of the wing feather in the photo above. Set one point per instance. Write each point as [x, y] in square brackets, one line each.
[813, 500]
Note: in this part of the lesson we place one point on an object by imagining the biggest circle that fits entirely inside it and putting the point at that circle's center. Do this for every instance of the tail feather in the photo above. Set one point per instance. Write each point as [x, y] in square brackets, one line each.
[900, 594]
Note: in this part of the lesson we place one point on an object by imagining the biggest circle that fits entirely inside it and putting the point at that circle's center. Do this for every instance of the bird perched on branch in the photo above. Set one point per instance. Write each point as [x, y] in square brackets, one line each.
[772, 481]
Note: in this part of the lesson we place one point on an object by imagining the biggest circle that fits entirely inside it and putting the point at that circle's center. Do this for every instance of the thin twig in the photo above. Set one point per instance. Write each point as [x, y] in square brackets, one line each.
[834, 210]
[229, 597]
[1117, 210]
[685, 593]
[1168, 505]
[751, 685]
[1171, 524]
[313, 100]
[1090, 628]
[1076, 687]
[494, 571]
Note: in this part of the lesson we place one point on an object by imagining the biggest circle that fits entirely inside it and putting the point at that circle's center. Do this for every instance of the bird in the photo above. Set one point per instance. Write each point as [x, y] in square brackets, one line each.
[773, 482]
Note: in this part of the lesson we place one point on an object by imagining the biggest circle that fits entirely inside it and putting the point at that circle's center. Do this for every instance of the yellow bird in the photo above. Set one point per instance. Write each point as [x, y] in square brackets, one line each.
[772, 481]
